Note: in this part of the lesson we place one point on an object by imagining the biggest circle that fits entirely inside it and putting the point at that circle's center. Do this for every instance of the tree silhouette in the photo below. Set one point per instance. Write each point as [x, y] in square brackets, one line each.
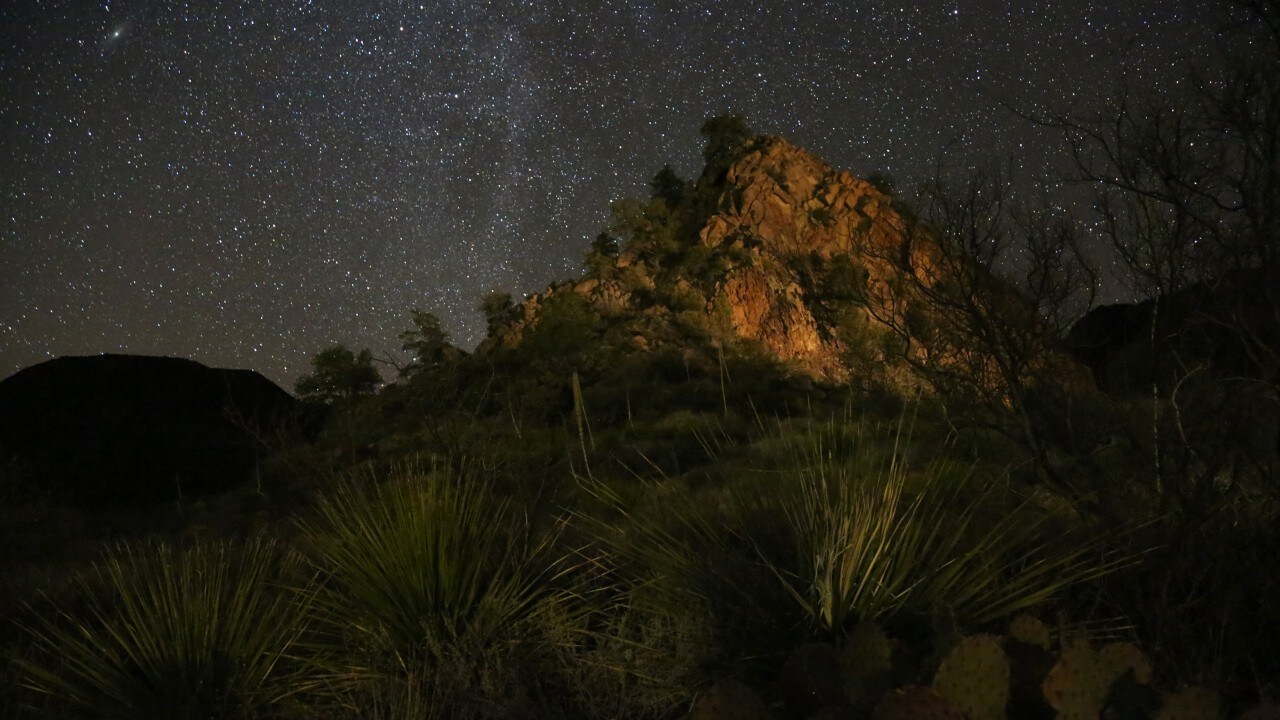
[726, 135]
[1187, 188]
[669, 187]
[602, 258]
[983, 289]
[339, 375]
[499, 310]
[427, 342]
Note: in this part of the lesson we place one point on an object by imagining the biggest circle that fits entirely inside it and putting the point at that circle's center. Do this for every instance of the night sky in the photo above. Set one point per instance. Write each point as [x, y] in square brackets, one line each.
[247, 183]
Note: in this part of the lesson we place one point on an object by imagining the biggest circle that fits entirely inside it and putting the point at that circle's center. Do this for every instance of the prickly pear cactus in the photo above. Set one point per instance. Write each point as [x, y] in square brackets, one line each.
[1077, 686]
[1193, 703]
[1118, 658]
[1029, 631]
[974, 678]
[729, 699]
[1262, 712]
[866, 664]
[914, 703]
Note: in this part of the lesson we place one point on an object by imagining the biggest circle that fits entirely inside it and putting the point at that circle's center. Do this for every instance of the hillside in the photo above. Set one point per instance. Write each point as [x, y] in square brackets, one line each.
[135, 429]
[773, 251]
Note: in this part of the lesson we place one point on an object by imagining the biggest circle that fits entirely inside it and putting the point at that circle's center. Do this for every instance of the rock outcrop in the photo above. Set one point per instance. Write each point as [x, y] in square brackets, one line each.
[136, 429]
[1227, 327]
[790, 210]
[779, 251]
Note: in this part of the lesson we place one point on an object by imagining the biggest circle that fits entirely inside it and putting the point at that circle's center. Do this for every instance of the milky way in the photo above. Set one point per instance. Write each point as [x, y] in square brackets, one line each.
[247, 183]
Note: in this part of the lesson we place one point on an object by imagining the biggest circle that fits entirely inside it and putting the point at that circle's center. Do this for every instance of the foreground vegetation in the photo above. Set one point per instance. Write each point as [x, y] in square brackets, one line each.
[429, 595]
[781, 565]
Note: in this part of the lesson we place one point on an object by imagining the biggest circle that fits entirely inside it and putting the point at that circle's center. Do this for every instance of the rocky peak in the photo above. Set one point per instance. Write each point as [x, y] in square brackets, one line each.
[795, 213]
[780, 250]
[790, 202]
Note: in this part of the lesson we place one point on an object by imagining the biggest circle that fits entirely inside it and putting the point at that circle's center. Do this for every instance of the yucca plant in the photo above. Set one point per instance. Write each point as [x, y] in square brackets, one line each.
[431, 590]
[682, 564]
[885, 545]
[851, 535]
[169, 633]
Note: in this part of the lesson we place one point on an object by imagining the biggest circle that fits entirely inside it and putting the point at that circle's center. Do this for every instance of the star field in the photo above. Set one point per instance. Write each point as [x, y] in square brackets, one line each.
[247, 183]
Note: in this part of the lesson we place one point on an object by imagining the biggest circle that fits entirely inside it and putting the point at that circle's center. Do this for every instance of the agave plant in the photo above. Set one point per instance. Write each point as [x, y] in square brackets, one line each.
[430, 588]
[195, 633]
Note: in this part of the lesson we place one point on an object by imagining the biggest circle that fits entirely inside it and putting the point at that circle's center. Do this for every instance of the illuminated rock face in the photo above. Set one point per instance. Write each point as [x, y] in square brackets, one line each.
[792, 202]
[784, 205]
[775, 221]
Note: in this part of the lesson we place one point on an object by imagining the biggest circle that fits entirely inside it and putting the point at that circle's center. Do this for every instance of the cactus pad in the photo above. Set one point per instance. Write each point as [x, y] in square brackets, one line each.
[1193, 703]
[1118, 658]
[974, 678]
[914, 703]
[1078, 685]
[1029, 631]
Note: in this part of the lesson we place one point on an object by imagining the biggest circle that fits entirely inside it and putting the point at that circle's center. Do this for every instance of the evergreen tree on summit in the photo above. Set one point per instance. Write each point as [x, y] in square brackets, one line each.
[669, 187]
[725, 135]
[427, 342]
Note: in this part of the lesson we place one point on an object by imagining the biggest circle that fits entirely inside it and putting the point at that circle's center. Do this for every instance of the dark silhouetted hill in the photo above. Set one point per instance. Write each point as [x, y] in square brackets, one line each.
[1224, 328]
[124, 428]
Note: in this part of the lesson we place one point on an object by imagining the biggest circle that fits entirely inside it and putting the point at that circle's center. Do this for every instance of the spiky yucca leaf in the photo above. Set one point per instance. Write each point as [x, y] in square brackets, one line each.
[173, 633]
[679, 554]
[868, 548]
[427, 583]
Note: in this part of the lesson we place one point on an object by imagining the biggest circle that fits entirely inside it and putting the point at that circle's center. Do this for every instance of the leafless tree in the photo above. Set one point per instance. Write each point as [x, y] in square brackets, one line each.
[983, 287]
[1187, 190]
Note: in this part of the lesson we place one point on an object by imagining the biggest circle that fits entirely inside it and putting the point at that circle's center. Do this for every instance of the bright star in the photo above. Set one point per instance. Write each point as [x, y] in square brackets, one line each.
[114, 35]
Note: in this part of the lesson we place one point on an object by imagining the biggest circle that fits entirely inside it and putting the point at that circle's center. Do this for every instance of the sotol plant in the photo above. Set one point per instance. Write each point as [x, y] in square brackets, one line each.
[883, 545]
[430, 588]
[195, 633]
